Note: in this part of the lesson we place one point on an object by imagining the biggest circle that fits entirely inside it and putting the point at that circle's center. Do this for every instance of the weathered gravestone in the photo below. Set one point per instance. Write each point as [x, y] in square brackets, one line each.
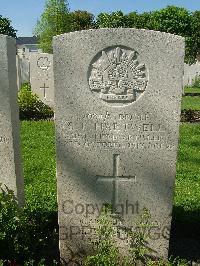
[41, 76]
[10, 159]
[118, 98]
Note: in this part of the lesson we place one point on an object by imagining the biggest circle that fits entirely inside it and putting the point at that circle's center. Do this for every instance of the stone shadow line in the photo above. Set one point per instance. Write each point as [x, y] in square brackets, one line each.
[185, 234]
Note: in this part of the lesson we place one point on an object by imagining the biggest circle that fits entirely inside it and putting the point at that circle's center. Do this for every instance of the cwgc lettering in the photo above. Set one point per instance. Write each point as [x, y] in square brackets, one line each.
[10, 159]
[118, 98]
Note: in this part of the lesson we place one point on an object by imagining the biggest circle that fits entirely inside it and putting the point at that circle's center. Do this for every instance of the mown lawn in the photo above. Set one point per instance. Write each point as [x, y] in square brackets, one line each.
[38, 148]
[191, 102]
[187, 192]
[191, 90]
[39, 164]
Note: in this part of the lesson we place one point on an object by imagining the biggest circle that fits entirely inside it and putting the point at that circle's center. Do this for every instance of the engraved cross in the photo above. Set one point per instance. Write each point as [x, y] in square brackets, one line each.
[44, 90]
[115, 179]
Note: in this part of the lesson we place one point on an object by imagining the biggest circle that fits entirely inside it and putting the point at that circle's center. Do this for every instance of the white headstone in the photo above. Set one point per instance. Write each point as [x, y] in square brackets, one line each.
[10, 158]
[191, 72]
[41, 76]
[23, 71]
[117, 109]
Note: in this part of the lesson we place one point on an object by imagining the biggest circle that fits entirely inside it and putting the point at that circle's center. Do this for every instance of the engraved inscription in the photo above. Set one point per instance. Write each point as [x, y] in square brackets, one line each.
[117, 77]
[43, 63]
[3, 140]
[121, 131]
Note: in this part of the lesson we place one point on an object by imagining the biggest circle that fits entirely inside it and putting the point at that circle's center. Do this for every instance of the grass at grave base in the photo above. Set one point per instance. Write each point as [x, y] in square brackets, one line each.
[39, 165]
[191, 102]
[38, 148]
[187, 192]
[191, 90]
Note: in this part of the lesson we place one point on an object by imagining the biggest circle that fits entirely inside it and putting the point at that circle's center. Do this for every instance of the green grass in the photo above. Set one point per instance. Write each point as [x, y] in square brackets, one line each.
[187, 193]
[39, 164]
[191, 102]
[38, 149]
[192, 90]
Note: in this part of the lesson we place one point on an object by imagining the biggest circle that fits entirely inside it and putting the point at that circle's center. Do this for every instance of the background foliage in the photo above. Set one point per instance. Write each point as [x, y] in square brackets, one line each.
[6, 28]
[30, 107]
[172, 19]
[81, 20]
[57, 19]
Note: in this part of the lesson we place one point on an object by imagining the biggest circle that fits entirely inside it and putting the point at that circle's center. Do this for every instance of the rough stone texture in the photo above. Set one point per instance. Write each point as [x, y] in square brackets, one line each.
[191, 73]
[41, 76]
[10, 159]
[117, 101]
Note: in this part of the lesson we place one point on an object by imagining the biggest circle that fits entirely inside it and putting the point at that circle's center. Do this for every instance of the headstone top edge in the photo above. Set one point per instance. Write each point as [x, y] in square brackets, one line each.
[6, 37]
[105, 30]
[36, 54]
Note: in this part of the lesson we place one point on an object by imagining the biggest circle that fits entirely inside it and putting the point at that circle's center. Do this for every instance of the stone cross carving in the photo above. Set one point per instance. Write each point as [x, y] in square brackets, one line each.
[44, 90]
[116, 178]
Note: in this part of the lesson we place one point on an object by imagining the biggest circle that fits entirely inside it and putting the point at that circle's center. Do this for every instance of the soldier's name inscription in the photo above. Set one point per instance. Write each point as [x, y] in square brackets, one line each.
[120, 131]
[4, 140]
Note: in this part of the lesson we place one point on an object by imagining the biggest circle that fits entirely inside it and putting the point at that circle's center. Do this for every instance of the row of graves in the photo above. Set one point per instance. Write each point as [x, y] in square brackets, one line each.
[37, 69]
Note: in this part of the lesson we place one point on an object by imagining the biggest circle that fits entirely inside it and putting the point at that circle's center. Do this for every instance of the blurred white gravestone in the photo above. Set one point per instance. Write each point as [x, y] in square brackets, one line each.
[10, 158]
[23, 71]
[117, 109]
[41, 77]
[191, 72]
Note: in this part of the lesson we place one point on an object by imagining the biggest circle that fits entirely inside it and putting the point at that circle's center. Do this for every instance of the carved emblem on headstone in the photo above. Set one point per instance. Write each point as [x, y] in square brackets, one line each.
[117, 76]
[43, 63]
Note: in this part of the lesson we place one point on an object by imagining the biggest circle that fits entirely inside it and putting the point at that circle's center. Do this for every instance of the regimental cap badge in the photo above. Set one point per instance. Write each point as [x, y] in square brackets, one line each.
[117, 77]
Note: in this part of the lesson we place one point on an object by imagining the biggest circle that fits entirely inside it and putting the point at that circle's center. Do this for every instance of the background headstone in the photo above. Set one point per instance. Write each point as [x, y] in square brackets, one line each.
[23, 71]
[10, 159]
[191, 72]
[117, 109]
[41, 76]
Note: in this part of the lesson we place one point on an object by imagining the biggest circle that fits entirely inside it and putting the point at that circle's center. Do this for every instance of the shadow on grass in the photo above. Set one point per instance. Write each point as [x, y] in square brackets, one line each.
[45, 231]
[35, 236]
[185, 234]
[35, 239]
[184, 239]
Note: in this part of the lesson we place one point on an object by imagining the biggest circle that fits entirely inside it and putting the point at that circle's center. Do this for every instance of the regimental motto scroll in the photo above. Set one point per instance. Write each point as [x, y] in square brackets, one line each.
[117, 77]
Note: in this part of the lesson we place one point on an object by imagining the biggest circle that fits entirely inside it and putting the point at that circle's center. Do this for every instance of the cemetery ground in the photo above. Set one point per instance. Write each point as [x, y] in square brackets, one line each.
[39, 236]
[192, 90]
[38, 149]
[191, 100]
